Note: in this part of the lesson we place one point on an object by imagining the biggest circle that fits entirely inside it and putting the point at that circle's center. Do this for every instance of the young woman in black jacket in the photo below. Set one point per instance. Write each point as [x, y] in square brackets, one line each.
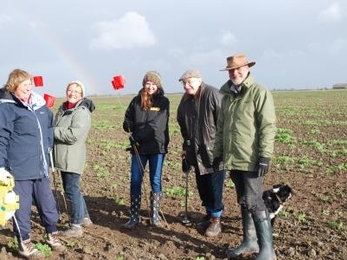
[146, 118]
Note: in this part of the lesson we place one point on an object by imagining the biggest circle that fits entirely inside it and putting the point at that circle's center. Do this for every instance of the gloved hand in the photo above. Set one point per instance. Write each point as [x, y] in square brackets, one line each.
[129, 149]
[133, 141]
[185, 165]
[216, 162]
[5, 176]
[263, 166]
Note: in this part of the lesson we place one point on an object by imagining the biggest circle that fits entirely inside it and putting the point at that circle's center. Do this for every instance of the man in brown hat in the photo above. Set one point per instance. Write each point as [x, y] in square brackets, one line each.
[245, 143]
[197, 116]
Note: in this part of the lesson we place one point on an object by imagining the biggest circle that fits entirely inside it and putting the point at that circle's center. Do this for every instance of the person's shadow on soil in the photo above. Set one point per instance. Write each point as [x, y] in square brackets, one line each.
[106, 212]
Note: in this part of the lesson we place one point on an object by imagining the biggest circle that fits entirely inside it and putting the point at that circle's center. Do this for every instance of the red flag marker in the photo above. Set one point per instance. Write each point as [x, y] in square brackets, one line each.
[38, 81]
[50, 100]
[118, 82]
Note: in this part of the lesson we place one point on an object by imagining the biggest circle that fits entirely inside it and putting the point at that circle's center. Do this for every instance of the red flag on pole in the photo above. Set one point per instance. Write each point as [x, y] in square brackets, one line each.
[118, 82]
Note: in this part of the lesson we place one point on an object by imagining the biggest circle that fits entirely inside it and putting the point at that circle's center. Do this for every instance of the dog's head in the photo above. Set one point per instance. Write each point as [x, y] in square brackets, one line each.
[283, 192]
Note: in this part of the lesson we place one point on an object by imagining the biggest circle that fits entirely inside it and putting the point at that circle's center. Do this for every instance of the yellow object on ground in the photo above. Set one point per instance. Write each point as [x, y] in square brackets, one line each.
[9, 201]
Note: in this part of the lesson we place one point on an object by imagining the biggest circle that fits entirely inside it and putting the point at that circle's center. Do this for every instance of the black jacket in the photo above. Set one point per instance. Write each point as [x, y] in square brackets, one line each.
[197, 118]
[150, 128]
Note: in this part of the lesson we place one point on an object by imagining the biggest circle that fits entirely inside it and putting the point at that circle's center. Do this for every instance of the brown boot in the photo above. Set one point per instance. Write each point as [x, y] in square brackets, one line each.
[75, 230]
[54, 242]
[28, 251]
[87, 222]
[214, 228]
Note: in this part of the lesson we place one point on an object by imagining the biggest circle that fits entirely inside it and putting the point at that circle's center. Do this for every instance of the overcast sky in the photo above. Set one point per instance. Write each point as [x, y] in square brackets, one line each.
[296, 43]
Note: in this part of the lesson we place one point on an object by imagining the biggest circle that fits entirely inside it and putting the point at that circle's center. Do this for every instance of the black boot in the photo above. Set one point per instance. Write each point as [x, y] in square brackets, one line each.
[264, 234]
[135, 206]
[155, 205]
[249, 244]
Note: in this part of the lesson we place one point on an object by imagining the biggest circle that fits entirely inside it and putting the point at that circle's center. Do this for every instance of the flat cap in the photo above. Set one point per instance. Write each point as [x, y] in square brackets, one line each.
[190, 74]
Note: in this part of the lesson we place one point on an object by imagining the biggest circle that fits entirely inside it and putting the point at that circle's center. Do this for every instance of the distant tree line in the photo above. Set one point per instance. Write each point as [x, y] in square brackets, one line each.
[340, 86]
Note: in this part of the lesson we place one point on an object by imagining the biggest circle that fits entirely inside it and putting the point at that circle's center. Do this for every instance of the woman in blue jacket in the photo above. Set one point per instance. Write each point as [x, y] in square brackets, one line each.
[26, 137]
[146, 118]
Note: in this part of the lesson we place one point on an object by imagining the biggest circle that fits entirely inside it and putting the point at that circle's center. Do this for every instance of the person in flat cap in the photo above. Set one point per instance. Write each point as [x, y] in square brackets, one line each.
[197, 115]
[245, 143]
[147, 120]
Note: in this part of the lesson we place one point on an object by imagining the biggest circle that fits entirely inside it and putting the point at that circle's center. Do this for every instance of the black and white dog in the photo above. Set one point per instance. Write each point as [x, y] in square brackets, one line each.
[275, 198]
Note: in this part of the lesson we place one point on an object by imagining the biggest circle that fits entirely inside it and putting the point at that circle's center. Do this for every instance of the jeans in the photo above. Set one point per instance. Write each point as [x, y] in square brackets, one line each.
[40, 191]
[155, 171]
[71, 184]
[249, 190]
[210, 188]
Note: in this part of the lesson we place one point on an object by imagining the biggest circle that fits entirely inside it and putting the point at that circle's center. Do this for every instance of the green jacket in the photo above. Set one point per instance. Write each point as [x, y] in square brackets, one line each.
[246, 126]
[70, 134]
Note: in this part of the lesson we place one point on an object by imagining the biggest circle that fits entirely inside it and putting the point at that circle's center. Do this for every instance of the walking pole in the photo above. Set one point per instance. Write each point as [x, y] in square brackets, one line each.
[186, 170]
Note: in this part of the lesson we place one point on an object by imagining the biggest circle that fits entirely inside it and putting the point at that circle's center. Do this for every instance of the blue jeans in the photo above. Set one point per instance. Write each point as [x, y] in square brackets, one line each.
[210, 188]
[40, 191]
[71, 184]
[249, 190]
[155, 171]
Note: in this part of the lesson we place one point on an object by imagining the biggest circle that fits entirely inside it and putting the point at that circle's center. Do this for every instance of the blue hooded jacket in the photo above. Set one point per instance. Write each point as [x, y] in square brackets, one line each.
[26, 136]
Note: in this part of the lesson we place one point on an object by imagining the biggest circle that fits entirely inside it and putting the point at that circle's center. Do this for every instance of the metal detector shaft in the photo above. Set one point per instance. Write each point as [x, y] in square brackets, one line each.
[54, 182]
[15, 222]
[185, 219]
[55, 186]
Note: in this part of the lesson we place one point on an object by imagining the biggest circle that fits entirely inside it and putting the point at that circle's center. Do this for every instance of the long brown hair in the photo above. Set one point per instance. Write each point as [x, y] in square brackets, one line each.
[146, 99]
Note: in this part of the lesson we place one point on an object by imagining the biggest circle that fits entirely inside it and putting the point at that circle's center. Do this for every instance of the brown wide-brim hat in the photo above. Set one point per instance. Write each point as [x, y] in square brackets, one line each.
[237, 61]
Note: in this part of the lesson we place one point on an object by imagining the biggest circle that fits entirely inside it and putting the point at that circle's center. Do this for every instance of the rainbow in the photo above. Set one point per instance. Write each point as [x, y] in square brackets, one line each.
[71, 60]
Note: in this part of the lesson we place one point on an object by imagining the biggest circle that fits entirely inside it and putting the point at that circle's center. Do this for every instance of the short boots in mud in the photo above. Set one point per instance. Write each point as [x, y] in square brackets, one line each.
[264, 234]
[214, 228]
[27, 250]
[135, 205]
[155, 208]
[249, 244]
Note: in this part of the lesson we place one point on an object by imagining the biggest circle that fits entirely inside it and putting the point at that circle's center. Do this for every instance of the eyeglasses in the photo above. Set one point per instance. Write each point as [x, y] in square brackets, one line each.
[70, 91]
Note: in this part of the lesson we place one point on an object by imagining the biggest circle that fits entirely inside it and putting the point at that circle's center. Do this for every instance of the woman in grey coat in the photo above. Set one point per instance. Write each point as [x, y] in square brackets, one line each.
[72, 125]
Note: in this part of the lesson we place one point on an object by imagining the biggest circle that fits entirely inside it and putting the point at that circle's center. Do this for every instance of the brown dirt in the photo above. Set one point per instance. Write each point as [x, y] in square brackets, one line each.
[312, 225]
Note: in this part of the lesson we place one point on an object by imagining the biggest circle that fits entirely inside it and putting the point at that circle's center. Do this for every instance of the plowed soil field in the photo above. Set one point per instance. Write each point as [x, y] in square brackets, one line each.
[310, 156]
